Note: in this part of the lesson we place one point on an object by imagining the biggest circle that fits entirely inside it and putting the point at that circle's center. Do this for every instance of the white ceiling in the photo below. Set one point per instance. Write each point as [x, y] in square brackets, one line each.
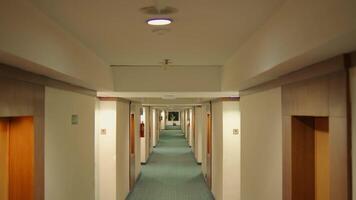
[168, 95]
[204, 32]
[172, 98]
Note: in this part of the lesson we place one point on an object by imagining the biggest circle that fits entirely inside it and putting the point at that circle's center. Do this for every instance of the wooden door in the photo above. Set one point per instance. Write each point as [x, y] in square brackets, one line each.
[4, 159]
[209, 150]
[310, 158]
[17, 158]
[322, 159]
[132, 174]
[303, 172]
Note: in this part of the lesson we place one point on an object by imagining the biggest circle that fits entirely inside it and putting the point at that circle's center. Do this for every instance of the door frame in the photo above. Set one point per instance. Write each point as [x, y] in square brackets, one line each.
[132, 152]
[209, 149]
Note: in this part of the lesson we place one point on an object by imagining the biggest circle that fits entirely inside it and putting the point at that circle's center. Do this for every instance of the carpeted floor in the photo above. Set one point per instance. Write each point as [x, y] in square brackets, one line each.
[169, 127]
[171, 173]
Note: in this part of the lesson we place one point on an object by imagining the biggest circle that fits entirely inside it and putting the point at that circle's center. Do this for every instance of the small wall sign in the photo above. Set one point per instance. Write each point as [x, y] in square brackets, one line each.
[75, 119]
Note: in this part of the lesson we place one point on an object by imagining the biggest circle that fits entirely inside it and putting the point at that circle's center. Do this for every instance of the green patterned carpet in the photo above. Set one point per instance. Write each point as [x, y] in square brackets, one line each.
[171, 173]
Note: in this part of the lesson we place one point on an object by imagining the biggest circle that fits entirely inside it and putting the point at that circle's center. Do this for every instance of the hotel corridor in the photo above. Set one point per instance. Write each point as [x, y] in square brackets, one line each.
[171, 173]
[178, 100]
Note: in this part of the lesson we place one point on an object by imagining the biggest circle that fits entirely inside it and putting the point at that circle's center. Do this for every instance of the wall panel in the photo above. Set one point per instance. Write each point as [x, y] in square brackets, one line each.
[217, 150]
[231, 151]
[261, 145]
[70, 152]
[316, 97]
[122, 150]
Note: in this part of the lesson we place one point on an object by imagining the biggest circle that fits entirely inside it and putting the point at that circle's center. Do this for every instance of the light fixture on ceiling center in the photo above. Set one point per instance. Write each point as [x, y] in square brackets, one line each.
[159, 21]
[169, 97]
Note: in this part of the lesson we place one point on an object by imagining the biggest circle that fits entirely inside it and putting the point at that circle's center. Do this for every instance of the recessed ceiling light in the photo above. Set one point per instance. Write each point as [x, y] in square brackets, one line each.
[168, 97]
[159, 21]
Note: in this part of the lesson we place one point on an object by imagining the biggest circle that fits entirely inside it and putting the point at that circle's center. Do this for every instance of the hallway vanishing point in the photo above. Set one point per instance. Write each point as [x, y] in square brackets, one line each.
[171, 173]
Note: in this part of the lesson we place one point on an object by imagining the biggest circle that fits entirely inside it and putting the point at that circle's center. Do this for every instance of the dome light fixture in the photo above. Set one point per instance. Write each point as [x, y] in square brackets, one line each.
[159, 21]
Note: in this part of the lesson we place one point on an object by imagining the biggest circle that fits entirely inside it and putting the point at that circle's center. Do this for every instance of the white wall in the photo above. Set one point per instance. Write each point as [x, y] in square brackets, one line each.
[69, 149]
[300, 33]
[170, 80]
[106, 151]
[261, 145]
[122, 150]
[231, 151]
[217, 149]
[31, 40]
[353, 105]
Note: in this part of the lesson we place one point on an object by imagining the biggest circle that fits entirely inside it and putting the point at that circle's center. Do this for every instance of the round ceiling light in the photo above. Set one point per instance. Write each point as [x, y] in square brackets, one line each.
[159, 21]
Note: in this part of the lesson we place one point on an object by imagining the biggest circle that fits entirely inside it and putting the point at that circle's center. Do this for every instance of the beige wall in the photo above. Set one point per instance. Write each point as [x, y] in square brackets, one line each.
[155, 128]
[135, 108]
[231, 151]
[300, 33]
[96, 144]
[148, 125]
[69, 149]
[169, 80]
[205, 111]
[153, 122]
[186, 132]
[122, 150]
[226, 150]
[198, 134]
[106, 151]
[31, 40]
[191, 139]
[145, 148]
[261, 145]
[163, 115]
[353, 105]
[217, 149]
